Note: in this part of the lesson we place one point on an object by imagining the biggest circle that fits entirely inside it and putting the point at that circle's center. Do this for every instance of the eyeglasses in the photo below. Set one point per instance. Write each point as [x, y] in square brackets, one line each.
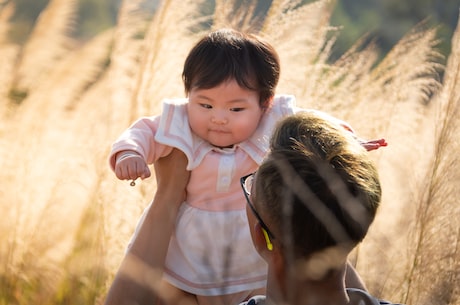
[246, 184]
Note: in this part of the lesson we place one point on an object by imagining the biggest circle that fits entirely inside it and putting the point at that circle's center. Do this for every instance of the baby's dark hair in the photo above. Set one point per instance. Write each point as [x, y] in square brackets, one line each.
[227, 54]
[318, 186]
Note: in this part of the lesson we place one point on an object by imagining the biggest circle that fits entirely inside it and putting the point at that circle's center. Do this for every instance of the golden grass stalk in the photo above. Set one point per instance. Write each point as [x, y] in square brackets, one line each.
[156, 74]
[6, 12]
[47, 44]
[167, 42]
[390, 101]
[300, 35]
[434, 270]
[44, 197]
[125, 61]
[8, 54]
[231, 14]
[66, 219]
[118, 205]
[77, 71]
[354, 79]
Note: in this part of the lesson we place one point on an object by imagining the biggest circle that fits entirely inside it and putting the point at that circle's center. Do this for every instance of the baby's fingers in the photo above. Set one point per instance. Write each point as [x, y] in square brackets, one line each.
[121, 173]
[145, 173]
[374, 144]
[137, 168]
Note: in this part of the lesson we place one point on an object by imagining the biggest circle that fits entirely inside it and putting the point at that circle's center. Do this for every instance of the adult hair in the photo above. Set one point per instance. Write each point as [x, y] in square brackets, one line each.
[227, 54]
[318, 187]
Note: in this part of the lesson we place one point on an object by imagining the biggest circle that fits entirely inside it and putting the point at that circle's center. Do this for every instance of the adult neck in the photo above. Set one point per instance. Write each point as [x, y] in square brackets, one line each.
[285, 289]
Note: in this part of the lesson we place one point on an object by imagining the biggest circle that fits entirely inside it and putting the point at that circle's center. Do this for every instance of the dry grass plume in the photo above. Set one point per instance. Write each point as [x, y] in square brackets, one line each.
[67, 219]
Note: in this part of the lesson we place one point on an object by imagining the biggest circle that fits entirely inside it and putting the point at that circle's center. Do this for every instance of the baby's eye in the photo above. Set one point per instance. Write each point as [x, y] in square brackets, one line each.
[236, 109]
[207, 106]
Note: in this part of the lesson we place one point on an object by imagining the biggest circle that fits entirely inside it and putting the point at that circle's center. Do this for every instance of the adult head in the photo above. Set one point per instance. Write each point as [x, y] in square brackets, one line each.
[315, 196]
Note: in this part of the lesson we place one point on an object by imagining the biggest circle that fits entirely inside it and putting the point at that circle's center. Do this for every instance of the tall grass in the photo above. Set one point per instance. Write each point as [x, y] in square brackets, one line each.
[435, 256]
[66, 219]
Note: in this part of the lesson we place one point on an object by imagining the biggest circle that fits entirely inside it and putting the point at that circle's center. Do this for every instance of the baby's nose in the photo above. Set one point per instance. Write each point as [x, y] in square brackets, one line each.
[219, 118]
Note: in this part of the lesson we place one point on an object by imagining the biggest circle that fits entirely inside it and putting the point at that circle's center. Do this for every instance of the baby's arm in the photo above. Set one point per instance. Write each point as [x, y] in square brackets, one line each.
[136, 148]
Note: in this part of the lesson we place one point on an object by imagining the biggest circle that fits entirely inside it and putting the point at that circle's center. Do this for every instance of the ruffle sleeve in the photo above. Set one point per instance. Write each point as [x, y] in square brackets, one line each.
[174, 130]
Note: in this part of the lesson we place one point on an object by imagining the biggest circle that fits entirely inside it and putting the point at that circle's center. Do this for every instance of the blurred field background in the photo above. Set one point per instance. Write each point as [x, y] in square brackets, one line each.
[69, 84]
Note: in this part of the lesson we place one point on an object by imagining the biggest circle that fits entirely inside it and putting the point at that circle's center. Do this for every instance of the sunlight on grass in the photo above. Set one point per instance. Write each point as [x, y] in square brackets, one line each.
[67, 219]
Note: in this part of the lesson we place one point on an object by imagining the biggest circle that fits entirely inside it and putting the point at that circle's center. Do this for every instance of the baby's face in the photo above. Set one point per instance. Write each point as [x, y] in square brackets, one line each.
[224, 115]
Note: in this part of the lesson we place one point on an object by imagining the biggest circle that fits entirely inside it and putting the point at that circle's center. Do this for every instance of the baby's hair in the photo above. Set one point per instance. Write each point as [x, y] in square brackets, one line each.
[318, 186]
[227, 54]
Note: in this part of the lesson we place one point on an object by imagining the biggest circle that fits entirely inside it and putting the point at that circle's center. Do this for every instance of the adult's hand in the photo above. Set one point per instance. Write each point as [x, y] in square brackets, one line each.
[138, 278]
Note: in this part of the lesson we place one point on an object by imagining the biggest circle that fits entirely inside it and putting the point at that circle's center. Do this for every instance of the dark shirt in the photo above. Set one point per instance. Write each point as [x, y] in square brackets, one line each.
[357, 297]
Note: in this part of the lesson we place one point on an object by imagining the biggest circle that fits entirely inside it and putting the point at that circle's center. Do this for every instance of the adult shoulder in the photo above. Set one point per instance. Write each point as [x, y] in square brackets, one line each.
[358, 296]
[255, 300]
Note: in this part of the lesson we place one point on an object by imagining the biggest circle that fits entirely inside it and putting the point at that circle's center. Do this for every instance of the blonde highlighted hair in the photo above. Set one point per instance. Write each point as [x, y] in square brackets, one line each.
[318, 186]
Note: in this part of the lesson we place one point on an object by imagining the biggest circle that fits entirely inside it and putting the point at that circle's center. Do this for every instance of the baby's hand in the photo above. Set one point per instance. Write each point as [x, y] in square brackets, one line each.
[373, 144]
[130, 166]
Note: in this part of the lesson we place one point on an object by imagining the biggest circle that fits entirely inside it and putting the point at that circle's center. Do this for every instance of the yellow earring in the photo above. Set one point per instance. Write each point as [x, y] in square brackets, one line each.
[267, 240]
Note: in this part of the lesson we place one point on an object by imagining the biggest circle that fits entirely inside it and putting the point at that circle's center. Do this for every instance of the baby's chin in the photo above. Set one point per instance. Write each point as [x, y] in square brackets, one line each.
[222, 146]
[221, 143]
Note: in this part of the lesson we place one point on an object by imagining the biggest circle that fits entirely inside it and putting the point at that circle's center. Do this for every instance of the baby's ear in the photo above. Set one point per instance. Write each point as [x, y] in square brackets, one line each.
[266, 104]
